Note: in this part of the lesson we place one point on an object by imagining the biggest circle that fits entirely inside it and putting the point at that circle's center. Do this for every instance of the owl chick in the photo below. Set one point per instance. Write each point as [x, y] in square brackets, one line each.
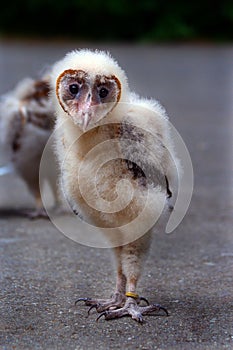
[26, 122]
[96, 111]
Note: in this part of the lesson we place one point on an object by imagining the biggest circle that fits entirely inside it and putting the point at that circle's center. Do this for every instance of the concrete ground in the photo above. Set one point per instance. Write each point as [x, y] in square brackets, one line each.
[190, 271]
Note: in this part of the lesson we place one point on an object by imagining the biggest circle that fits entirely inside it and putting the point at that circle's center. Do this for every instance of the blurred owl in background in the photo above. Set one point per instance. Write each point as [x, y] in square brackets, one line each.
[26, 123]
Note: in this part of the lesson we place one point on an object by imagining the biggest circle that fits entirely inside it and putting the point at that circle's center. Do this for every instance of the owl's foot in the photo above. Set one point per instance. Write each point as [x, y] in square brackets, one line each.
[35, 213]
[131, 308]
[116, 301]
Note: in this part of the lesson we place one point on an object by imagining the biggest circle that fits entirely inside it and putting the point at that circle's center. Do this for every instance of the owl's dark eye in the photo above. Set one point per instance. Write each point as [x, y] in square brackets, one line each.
[103, 92]
[74, 89]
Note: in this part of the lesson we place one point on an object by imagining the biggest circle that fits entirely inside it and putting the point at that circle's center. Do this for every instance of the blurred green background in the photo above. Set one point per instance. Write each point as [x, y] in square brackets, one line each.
[147, 20]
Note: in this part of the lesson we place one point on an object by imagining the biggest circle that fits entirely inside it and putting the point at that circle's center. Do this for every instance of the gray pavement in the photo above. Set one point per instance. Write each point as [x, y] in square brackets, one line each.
[189, 271]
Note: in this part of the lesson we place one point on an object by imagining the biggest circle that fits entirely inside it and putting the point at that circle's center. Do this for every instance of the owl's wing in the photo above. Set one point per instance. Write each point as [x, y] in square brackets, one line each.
[146, 145]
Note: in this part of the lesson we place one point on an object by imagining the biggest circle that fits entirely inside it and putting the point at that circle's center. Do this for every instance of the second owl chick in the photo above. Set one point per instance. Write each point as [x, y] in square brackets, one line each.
[26, 123]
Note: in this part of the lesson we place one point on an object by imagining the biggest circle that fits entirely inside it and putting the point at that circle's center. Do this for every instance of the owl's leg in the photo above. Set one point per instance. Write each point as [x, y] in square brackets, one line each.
[118, 298]
[39, 211]
[133, 256]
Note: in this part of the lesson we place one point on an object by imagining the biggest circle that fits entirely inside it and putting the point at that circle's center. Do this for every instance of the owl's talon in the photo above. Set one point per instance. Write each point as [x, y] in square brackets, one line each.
[92, 307]
[161, 308]
[144, 299]
[104, 313]
[140, 319]
[116, 301]
[81, 299]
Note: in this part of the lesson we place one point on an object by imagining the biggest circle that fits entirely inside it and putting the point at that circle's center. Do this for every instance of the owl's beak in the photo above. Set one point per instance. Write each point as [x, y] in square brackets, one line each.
[86, 113]
[85, 121]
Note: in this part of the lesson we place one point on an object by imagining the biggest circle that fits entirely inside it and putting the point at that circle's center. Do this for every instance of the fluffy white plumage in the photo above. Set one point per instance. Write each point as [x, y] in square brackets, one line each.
[96, 116]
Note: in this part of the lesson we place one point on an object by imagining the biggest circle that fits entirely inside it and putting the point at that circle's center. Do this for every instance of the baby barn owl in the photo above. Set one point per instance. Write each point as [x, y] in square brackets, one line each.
[26, 123]
[94, 106]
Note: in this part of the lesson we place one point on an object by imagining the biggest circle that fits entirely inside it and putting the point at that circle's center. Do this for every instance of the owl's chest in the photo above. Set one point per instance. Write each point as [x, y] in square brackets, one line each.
[95, 164]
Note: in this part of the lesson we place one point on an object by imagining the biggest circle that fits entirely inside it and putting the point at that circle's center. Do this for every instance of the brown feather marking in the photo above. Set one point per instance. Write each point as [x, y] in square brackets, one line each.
[42, 119]
[119, 86]
[20, 120]
[41, 91]
[16, 144]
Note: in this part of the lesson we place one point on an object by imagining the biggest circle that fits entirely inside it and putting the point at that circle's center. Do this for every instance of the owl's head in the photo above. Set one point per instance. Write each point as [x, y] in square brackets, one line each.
[88, 85]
